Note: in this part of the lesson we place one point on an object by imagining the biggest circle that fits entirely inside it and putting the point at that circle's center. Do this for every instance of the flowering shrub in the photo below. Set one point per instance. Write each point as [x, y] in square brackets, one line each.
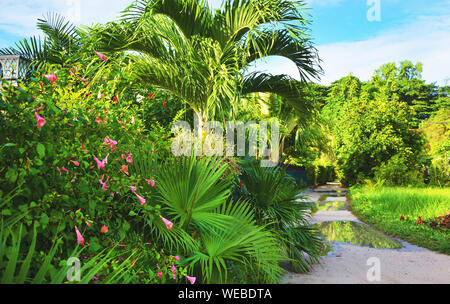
[68, 137]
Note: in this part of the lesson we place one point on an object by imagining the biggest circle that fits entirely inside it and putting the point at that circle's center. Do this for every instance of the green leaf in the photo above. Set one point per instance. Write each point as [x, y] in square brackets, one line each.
[6, 212]
[40, 150]
[44, 220]
[11, 175]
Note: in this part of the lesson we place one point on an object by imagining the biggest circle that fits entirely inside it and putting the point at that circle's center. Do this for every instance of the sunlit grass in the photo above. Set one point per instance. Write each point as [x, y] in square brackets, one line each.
[383, 206]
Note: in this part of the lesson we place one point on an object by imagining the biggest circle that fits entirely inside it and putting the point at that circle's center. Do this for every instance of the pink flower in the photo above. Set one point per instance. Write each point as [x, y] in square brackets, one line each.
[88, 224]
[62, 169]
[104, 187]
[133, 189]
[102, 57]
[177, 258]
[76, 163]
[101, 164]
[99, 95]
[141, 199]
[124, 169]
[151, 182]
[191, 279]
[168, 223]
[110, 142]
[80, 239]
[65, 170]
[40, 121]
[160, 274]
[84, 80]
[129, 158]
[173, 272]
[132, 120]
[98, 120]
[51, 77]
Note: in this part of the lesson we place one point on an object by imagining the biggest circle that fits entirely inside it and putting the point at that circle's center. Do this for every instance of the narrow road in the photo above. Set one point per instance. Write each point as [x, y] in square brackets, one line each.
[353, 263]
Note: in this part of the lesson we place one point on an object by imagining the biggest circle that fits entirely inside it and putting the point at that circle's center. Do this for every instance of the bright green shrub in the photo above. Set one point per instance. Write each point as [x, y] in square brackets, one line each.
[50, 170]
[370, 126]
[396, 171]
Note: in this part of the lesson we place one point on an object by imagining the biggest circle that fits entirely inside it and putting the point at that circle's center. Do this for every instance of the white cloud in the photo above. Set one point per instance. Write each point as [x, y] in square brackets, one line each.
[426, 40]
[20, 17]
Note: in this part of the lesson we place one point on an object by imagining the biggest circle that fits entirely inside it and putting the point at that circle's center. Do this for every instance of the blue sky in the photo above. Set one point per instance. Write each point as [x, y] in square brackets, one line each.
[418, 30]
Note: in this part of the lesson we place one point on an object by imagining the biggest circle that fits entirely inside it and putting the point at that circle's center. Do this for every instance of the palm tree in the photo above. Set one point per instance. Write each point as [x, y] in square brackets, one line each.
[202, 55]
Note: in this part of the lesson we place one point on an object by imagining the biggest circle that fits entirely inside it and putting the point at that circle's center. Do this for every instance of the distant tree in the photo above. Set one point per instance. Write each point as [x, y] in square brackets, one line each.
[370, 125]
[437, 131]
[406, 81]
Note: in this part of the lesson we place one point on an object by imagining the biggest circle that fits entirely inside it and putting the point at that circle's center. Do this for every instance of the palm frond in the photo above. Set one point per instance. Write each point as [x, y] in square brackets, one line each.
[61, 34]
[283, 85]
[33, 49]
[274, 197]
[191, 16]
[191, 189]
[240, 241]
[281, 43]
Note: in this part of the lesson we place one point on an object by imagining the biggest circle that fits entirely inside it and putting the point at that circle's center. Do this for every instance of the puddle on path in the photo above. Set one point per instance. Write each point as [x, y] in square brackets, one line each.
[356, 234]
[332, 206]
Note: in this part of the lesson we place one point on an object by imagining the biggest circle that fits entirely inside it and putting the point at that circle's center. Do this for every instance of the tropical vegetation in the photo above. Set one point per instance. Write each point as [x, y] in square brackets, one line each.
[87, 172]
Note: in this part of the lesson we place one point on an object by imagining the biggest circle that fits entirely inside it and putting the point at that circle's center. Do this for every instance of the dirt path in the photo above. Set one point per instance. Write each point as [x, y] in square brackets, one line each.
[348, 263]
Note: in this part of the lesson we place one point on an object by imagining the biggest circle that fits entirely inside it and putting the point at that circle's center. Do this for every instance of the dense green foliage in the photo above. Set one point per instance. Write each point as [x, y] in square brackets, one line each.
[373, 126]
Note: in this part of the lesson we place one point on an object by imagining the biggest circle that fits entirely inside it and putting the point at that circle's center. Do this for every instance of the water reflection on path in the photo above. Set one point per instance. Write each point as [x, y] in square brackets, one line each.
[356, 234]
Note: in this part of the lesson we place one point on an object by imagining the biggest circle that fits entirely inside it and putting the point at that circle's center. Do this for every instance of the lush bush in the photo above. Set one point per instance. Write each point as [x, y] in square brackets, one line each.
[52, 167]
[66, 162]
[396, 171]
[370, 128]
[324, 174]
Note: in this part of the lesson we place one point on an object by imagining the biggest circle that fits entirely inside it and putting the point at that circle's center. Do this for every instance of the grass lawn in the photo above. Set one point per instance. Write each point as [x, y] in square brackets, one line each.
[382, 207]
